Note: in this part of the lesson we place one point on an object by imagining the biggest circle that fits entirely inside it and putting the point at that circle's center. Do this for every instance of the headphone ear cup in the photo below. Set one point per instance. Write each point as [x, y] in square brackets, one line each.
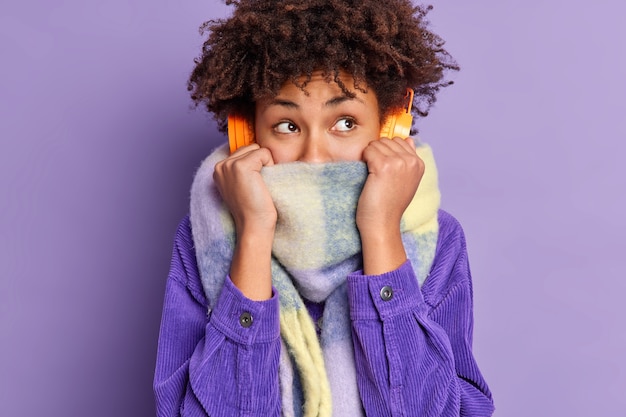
[239, 132]
[397, 125]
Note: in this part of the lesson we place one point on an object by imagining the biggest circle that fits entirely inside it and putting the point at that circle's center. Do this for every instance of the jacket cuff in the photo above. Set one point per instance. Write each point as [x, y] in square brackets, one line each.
[244, 320]
[383, 296]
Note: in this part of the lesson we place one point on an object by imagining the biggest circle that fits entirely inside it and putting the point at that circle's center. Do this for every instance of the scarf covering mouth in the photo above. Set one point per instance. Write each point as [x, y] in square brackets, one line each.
[316, 245]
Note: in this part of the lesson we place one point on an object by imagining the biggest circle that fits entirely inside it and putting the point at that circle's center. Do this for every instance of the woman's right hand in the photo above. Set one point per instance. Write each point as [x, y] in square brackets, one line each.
[238, 179]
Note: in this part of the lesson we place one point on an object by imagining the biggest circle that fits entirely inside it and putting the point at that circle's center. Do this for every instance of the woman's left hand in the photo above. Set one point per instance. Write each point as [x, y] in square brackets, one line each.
[395, 172]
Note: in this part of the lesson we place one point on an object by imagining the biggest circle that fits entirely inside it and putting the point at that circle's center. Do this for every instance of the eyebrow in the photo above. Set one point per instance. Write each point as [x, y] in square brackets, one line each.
[335, 101]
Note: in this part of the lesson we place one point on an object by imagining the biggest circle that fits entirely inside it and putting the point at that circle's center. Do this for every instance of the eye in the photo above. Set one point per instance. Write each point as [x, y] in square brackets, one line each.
[286, 127]
[344, 124]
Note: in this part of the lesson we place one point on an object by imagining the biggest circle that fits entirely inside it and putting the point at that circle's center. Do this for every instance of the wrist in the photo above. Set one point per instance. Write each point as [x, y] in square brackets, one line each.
[256, 229]
[379, 227]
[250, 269]
[383, 251]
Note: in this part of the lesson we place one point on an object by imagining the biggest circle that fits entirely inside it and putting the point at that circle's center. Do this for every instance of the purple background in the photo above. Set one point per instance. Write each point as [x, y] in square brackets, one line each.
[98, 145]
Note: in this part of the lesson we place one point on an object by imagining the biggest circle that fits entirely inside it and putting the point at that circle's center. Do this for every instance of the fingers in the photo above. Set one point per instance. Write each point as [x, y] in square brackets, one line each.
[245, 159]
[394, 156]
[391, 146]
[263, 154]
[395, 171]
[238, 179]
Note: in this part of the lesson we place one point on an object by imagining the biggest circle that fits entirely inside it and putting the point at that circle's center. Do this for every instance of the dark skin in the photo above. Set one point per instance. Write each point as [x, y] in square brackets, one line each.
[385, 45]
[321, 126]
[292, 57]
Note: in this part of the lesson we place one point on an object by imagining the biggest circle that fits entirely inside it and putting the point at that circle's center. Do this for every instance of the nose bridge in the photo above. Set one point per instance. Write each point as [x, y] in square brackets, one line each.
[315, 147]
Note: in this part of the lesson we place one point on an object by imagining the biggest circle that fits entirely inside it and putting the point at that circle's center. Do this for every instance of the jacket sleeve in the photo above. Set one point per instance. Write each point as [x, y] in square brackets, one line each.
[413, 347]
[220, 364]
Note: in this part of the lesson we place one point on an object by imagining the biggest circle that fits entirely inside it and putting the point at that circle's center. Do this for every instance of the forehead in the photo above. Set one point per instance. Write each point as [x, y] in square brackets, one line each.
[314, 87]
[321, 92]
[320, 85]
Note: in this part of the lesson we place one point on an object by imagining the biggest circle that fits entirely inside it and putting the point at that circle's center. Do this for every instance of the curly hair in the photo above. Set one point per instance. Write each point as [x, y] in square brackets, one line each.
[384, 44]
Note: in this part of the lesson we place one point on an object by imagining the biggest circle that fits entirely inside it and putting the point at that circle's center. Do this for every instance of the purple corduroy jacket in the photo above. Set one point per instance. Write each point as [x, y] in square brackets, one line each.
[413, 351]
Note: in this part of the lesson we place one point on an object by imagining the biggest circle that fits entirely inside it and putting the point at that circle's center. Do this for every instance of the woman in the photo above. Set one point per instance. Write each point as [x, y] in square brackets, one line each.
[316, 274]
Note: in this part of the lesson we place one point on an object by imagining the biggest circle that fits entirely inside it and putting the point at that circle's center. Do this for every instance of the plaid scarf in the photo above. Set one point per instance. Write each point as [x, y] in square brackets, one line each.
[316, 245]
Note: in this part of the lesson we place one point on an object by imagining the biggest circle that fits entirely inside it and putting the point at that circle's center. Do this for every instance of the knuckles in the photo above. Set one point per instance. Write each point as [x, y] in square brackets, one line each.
[397, 164]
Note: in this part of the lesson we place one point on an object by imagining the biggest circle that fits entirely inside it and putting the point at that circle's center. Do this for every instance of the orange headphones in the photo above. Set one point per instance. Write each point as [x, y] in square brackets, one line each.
[399, 124]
